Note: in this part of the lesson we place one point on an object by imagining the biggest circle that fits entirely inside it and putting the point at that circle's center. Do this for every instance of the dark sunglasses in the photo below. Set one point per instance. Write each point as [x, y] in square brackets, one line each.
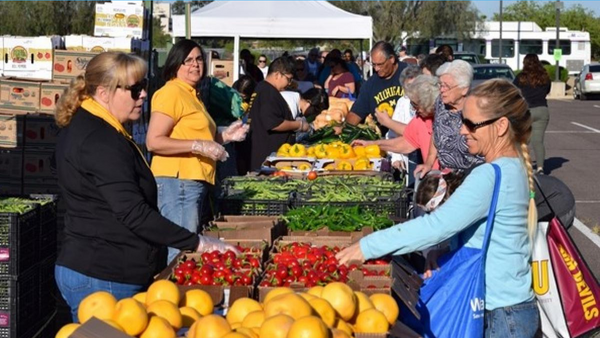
[136, 88]
[471, 127]
[262, 61]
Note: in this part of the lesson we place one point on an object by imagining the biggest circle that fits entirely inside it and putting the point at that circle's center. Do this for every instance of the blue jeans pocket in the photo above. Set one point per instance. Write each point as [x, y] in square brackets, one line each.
[72, 281]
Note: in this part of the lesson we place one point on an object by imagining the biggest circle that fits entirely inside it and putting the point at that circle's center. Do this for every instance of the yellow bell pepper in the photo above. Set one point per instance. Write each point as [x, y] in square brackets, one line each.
[330, 166]
[346, 151]
[297, 150]
[304, 166]
[321, 151]
[359, 151]
[285, 148]
[310, 151]
[362, 165]
[343, 165]
[372, 151]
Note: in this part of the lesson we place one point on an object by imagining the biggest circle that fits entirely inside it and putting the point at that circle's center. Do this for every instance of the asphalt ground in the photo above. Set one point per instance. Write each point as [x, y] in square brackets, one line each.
[573, 155]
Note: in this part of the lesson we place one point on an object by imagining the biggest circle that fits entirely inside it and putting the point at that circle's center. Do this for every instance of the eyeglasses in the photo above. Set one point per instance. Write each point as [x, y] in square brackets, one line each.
[414, 105]
[289, 78]
[472, 127]
[190, 61]
[262, 61]
[136, 88]
[445, 87]
[381, 64]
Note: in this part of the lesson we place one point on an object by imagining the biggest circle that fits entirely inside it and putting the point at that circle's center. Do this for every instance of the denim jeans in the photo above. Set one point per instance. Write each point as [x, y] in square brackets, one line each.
[517, 321]
[74, 287]
[182, 202]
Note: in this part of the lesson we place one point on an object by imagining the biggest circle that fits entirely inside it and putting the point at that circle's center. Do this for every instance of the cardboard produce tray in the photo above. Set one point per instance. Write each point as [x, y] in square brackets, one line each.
[267, 230]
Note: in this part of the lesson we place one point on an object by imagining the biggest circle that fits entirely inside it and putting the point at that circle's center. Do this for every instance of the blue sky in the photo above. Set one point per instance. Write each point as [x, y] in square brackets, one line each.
[490, 7]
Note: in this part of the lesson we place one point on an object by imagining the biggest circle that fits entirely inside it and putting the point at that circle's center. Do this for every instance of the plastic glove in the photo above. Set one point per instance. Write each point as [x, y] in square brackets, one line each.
[304, 126]
[208, 244]
[235, 132]
[210, 149]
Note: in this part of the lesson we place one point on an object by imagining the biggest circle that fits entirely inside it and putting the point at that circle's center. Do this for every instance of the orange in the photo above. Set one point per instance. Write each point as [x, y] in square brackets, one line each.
[307, 296]
[324, 310]
[387, 305]
[163, 290]
[99, 304]
[200, 300]
[363, 302]
[342, 298]
[254, 319]
[67, 330]
[289, 304]
[276, 326]
[167, 310]
[316, 291]
[235, 335]
[240, 308]
[131, 316]
[276, 292]
[248, 332]
[309, 327]
[235, 325]
[371, 321]
[189, 316]
[211, 326]
[158, 328]
[337, 333]
[343, 326]
[114, 324]
[140, 297]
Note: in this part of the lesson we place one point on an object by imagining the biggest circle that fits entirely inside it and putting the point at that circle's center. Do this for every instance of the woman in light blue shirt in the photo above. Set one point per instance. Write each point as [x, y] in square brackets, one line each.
[497, 126]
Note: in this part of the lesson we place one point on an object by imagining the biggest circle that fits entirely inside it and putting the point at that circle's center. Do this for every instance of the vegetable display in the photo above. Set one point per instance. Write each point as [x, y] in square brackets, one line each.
[334, 218]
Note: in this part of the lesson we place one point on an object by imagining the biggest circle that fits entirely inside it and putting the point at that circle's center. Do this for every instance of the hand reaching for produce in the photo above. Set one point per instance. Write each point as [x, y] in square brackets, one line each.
[351, 253]
[304, 126]
[363, 143]
[209, 244]
[210, 149]
[382, 117]
[236, 132]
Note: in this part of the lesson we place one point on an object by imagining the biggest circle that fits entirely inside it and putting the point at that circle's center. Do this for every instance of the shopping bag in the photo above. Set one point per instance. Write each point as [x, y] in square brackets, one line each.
[223, 103]
[452, 302]
[567, 293]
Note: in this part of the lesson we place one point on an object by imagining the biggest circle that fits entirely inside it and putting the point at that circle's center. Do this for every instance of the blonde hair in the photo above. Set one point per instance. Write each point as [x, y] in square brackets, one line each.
[110, 70]
[500, 98]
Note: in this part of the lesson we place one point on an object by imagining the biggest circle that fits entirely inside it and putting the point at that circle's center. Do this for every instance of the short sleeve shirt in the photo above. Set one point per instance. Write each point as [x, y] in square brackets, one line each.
[379, 93]
[179, 101]
[453, 152]
[343, 80]
[267, 111]
[418, 133]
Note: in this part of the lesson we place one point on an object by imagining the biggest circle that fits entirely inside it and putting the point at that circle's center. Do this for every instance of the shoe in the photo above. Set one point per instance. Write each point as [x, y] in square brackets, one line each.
[539, 171]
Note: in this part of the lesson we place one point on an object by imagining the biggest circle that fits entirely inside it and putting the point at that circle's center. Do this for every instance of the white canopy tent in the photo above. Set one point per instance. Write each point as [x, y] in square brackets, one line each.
[273, 19]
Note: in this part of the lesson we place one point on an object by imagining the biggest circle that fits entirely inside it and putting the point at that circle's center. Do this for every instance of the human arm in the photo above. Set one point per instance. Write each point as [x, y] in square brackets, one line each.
[235, 132]
[396, 145]
[299, 124]
[468, 206]
[385, 120]
[326, 84]
[426, 167]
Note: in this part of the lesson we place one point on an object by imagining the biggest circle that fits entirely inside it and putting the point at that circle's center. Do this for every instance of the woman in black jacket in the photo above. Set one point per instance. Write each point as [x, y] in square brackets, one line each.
[114, 238]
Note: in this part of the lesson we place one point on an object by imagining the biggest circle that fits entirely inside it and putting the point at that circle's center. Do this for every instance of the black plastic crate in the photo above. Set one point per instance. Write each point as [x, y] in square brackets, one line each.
[47, 286]
[19, 241]
[20, 315]
[253, 207]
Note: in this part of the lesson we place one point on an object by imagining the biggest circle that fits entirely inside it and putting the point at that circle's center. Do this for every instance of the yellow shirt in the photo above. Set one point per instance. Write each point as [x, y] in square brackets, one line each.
[178, 100]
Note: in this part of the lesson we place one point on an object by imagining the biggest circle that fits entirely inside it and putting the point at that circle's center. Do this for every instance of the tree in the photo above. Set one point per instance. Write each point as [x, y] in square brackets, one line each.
[544, 15]
[178, 7]
[159, 37]
[425, 19]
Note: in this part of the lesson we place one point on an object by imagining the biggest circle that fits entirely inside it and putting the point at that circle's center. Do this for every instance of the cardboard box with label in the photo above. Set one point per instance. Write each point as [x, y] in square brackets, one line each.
[29, 57]
[69, 64]
[222, 70]
[119, 19]
[267, 229]
[1, 54]
[40, 131]
[38, 164]
[50, 92]
[23, 96]
[11, 130]
[97, 44]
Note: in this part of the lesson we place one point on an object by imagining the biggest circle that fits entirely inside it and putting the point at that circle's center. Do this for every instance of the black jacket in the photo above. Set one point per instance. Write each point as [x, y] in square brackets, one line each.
[113, 229]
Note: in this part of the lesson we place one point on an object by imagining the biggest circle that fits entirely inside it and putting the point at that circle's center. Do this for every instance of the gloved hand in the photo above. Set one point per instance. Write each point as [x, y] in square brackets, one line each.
[210, 149]
[304, 126]
[208, 244]
[235, 132]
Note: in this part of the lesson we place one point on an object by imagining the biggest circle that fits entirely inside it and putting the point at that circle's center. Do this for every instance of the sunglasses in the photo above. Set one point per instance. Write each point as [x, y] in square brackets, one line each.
[472, 127]
[136, 88]
[262, 61]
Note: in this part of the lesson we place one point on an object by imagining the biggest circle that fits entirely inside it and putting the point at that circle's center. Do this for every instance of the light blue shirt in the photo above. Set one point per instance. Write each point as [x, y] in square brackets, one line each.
[507, 265]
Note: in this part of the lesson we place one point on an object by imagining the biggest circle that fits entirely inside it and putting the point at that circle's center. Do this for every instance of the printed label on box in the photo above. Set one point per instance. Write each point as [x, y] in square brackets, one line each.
[119, 20]
[11, 131]
[29, 57]
[4, 257]
[70, 64]
[49, 95]
[20, 95]
[40, 131]
[38, 164]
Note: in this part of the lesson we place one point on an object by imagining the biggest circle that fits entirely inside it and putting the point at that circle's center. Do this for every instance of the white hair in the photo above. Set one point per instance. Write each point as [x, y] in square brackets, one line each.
[424, 91]
[461, 71]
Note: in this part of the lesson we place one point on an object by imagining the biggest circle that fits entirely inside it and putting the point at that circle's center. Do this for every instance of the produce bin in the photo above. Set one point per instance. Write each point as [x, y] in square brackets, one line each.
[20, 313]
[19, 241]
[47, 286]
[253, 207]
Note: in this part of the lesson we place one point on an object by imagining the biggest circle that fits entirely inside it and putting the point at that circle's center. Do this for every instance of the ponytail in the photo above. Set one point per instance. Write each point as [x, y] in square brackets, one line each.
[70, 101]
[532, 216]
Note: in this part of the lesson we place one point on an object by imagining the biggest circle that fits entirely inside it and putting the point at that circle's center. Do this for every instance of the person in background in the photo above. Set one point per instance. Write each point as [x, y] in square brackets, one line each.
[534, 83]
[184, 139]
[446, 51]
[325, 70]
[497, 126]
[304, 80]
[272, 123]
[402, 53]
[353, 67]
[340, 82]
[313, 63]
[245, 85]
[115, 238]
[263, 65]
[247, 66]
[431, 63]
[381, 91]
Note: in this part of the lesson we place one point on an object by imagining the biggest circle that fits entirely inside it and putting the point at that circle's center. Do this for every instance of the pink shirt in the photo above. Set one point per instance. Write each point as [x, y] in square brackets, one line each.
[418, 133]
[341, 81]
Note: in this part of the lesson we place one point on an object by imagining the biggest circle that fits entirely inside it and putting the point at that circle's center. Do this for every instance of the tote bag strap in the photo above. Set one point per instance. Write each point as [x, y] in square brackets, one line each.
[537, 183]
[492, 212]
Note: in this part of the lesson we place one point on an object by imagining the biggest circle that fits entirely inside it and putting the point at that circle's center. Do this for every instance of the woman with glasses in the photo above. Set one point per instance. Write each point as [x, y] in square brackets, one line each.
[262, 65]
[114, 238]
[448, 146]
[184, 139]
[340, 82]
[496, 124]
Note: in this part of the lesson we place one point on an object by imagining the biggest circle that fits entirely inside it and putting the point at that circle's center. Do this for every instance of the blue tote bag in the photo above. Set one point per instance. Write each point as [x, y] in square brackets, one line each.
[452, 301]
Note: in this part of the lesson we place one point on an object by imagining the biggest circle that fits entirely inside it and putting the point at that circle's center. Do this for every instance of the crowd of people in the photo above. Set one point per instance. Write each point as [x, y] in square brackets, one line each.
[122, 213]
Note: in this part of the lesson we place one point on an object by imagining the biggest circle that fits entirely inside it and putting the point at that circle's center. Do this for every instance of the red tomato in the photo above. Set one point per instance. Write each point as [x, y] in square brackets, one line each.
[312, 175]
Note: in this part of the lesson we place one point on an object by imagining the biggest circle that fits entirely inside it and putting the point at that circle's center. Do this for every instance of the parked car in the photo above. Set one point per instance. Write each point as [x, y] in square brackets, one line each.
[471, 58]
[587, 82]
[483, 72]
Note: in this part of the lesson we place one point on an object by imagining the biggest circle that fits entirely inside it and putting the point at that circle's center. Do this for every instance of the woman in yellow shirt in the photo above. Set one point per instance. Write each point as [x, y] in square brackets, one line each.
[184, 139]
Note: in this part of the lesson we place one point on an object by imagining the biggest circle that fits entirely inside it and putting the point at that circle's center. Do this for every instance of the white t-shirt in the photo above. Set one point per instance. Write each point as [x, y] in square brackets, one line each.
[293, 100]
[264, 71]
[403, 113]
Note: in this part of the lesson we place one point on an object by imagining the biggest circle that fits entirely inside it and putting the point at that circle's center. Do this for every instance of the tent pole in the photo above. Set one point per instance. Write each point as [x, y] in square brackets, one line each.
[236, 57]
[362, 60]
